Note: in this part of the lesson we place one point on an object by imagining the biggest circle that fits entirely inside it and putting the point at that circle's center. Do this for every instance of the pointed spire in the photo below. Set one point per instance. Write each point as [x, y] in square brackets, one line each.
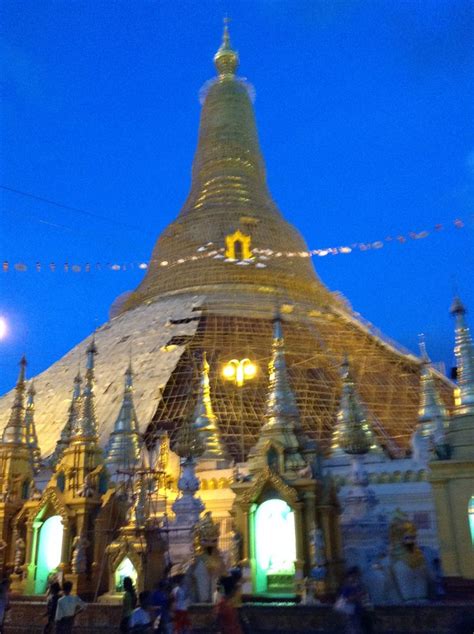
[74, 414]
[123, 450]
[228, 191]
[205, 421]
[15, 431]
[226, 59]
[281, 403]
[86, 424]
[30, 430]
[282, 423]
[189, 444]
[432, 415]
[353, 433]
[464, 351]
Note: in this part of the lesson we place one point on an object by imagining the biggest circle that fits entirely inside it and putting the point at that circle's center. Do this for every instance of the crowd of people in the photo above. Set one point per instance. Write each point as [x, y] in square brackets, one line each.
[164, 610]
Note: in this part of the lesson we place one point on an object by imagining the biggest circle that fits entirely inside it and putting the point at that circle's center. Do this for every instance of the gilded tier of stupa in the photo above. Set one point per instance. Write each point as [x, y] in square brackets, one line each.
[220, 302]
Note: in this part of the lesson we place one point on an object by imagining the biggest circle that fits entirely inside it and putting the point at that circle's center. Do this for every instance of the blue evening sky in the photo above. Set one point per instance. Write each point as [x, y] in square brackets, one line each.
[365, 112]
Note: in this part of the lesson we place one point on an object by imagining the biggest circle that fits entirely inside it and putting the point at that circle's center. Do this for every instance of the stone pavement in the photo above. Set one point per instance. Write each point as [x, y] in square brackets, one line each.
[27, 616]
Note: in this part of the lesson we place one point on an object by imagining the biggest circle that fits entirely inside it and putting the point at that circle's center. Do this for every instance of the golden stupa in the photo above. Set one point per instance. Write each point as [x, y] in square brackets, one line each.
[216, 278]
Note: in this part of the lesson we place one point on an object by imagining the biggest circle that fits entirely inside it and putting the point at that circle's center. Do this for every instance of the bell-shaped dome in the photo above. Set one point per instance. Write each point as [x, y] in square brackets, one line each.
[229, 193]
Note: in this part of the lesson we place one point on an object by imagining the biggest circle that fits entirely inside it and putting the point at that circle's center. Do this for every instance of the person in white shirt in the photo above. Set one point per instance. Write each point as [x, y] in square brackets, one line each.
[68, 606]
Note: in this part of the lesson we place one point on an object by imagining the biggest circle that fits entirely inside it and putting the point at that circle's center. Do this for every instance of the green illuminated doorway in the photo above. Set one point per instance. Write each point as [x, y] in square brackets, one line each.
[49, 551]
[125, 569]
[275, 547]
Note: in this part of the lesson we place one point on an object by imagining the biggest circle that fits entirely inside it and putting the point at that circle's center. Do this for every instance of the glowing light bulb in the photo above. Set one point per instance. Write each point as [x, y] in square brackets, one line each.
[3, 328]
[239, 371]
[250, 370]
[229, 370]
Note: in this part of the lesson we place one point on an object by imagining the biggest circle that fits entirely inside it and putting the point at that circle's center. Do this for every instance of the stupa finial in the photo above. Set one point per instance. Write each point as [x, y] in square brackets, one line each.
[30, 430]
[353, 433]
[204, 419]
[464, 351]
[86, 424]
[74, 413]
[282, 419]
[226, 59]
[15, 431]
[123, 449]
[422, 344]
[431, 406]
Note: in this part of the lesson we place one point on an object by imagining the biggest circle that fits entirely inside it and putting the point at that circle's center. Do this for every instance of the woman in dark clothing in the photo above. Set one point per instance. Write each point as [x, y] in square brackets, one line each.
[129, 603]
[53, 598]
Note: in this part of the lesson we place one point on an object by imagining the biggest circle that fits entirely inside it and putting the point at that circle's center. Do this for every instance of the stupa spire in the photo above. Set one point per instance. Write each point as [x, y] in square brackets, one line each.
[74, 413]
[282, 421]
[464, 351]
[30, 430]
[226, 59]
[204, 419]
[281, 403]
[429, 438]
[229, 193]
[15, 431]
[353, 433]
[189, 446]
[85, 427]
[432, 411]
[123, 450]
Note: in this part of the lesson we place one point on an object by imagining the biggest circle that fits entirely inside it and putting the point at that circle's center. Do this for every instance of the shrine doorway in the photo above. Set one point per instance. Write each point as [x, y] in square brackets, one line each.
[49, 551]
[274, 547]
[125, 569]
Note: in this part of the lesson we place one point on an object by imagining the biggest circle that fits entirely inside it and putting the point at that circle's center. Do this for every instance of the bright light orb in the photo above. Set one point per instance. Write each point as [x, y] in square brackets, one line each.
[239, 371]
[3, 328]
[229, 371]
[250, 370]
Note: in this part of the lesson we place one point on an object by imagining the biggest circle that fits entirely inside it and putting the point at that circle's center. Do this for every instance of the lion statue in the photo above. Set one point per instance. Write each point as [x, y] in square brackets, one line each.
[208, 564]
[406, 571]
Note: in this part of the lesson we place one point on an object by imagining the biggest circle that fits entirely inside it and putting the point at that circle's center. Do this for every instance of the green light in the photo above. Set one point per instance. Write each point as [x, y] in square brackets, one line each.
[275, 546]
[49, 551]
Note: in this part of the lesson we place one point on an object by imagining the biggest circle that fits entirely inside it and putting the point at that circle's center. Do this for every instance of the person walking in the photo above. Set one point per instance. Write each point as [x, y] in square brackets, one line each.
[129, 603]
[161, 602]
[182, 623]
[54, 593]
[227, 616]
[69, 606]
[141, 619]
[354, 604]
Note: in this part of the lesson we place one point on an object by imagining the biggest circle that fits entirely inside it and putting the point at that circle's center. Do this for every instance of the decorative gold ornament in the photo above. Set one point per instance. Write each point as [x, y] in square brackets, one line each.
[237, 246]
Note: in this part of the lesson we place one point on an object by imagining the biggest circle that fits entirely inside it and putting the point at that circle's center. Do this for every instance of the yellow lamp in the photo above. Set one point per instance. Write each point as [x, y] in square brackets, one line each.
[239, 371]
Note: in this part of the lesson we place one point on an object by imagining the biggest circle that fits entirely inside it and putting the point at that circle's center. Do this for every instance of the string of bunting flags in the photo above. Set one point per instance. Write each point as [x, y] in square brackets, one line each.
[210, 250]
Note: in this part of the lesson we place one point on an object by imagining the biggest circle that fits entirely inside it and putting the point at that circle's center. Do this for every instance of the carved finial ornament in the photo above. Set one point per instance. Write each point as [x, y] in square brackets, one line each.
[226, 59]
